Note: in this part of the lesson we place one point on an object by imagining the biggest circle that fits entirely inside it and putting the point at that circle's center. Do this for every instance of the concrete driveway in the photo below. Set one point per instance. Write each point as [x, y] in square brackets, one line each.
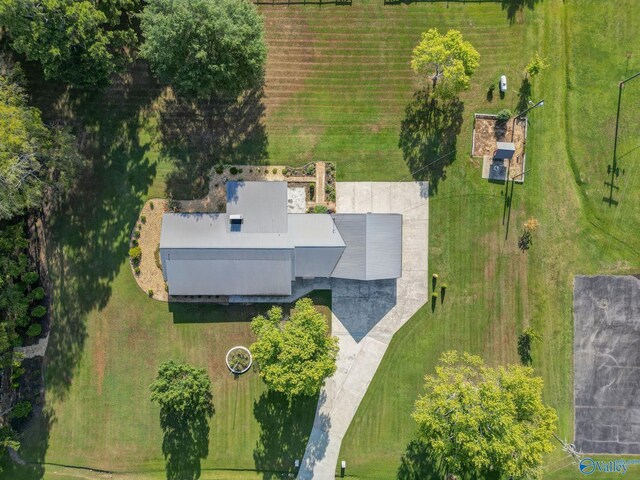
[367, 314]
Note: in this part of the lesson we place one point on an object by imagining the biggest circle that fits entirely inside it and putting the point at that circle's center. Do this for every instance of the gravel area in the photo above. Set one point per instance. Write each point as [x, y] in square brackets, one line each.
[487, 132]
[150, 277]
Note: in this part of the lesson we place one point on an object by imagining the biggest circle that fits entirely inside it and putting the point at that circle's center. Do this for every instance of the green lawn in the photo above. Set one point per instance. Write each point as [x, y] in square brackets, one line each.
[338, 85]
[494, 289]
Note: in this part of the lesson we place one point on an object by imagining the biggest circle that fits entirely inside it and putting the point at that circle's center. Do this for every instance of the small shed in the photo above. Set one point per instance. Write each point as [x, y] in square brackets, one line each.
[504, 151]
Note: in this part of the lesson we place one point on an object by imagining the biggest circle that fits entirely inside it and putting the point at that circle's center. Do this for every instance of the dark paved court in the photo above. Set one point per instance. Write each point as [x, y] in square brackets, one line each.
[606, 356]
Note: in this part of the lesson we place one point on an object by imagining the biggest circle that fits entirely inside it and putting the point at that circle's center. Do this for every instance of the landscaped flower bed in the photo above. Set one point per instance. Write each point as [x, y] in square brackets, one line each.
[239, 360]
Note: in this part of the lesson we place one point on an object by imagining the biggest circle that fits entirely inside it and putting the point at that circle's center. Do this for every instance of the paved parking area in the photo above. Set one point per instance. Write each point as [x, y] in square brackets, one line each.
[606, 356]
[367, 314]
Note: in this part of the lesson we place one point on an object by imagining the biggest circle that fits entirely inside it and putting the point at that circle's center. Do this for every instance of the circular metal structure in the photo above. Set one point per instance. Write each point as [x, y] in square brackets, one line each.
[239, 360]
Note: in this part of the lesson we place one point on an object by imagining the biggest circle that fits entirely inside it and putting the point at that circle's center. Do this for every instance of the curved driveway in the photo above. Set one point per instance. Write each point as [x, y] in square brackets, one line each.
[367, 314]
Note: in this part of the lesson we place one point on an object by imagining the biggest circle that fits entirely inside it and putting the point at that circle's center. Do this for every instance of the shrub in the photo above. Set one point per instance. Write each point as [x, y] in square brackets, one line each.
[21, 409]
[320, 209]
[310, 169]
[37, 293]
[34, 330]
[274, 171]
[151, 205]
[143, 219]
[136, 254]
[136, 270]
[536, 65]
[233, 171]
[525, 341]
[239, 170]
[285, 171]
[166, 287]
[219, 169]
[492, 86]
[251, 170]
[504, 115]
[23, 320]
[531, 225]
[172, 204]
[156, 256]
[136, 234]
[39, 311]
[330, 193]
[30, 277]
[150, 293]
[134, 242]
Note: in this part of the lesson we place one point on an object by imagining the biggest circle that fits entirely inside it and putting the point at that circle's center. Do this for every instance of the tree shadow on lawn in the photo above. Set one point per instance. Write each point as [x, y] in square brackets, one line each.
[185, 443]
[512, 7]
[196, 135]
[418, 463]
[85, 240]
[427, 133]
[285, 427]
[524, 96]
[88, 236]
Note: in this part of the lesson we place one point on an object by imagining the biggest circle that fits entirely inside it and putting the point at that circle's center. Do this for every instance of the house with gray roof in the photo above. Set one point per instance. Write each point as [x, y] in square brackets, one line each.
[257, 248]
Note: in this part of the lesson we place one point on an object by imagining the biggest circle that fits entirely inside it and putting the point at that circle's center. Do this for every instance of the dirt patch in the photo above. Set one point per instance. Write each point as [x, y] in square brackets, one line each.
[488, 131]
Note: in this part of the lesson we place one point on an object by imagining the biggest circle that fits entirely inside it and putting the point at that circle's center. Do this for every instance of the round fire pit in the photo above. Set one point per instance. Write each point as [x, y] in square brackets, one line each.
[239, 360]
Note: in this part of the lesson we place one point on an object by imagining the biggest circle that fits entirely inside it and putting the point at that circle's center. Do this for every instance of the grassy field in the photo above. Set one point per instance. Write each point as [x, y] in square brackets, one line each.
[339, 88]
[494, 289]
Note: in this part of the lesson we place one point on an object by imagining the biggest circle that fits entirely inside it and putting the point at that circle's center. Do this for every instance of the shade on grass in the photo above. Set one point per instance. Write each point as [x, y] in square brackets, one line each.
[338, 85]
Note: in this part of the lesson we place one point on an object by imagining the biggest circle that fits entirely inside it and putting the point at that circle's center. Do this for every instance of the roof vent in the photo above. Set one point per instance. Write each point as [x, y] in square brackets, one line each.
[235, 222]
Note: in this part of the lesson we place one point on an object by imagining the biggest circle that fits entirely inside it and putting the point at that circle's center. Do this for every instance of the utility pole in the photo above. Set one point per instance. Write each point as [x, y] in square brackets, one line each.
[614, 166]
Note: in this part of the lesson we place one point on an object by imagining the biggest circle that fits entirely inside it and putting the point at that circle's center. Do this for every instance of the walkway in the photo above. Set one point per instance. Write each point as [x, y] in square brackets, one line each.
[366, 315]
[36, 350]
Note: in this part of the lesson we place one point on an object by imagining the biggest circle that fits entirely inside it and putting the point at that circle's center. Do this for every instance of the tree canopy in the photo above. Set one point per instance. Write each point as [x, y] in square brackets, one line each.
[81, 42]
[477, 419]
[295, 356]
[34, 159]
[205, 47]
[182, 390]
[448, 60]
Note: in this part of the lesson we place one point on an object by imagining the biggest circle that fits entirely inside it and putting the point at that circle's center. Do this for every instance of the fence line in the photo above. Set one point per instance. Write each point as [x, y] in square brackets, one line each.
[304, 2]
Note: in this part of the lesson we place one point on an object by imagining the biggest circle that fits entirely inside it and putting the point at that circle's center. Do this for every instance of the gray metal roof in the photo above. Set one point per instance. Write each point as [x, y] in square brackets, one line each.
[373, 246]
[228, 271]
[505, 150]
[211, 230]
[263, 205]
[202, 255]
[313, 230]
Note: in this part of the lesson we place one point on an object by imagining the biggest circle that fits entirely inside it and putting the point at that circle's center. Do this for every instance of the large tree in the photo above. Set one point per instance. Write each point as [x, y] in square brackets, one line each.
[186, 404]
[448, 60]
[480, 420]
[34, 160]
[81, 42]
[182, 390]
[205, 47]
[294, 356]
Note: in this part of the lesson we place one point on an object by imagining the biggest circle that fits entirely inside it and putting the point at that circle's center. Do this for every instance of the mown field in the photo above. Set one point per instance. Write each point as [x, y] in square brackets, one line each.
[339, 88]
[494, 289]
